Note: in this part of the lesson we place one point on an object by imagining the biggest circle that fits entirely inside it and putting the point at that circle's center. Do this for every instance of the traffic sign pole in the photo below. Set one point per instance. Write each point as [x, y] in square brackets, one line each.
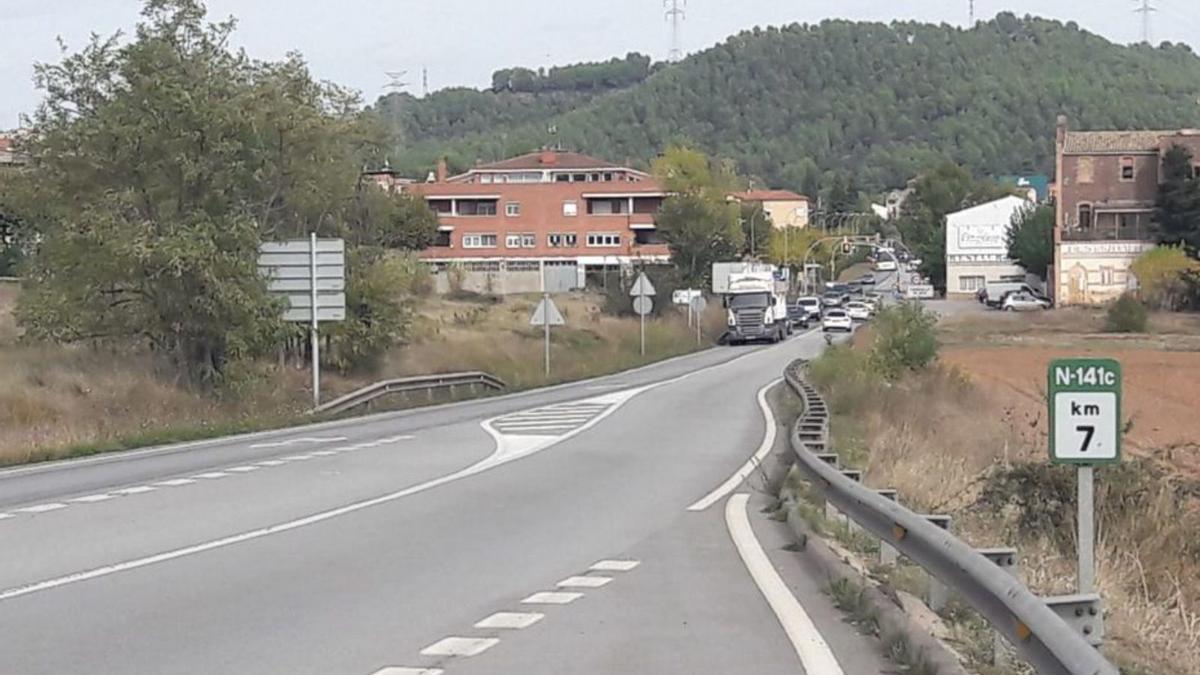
[1085, 414]
[546, 331]
[316, 340]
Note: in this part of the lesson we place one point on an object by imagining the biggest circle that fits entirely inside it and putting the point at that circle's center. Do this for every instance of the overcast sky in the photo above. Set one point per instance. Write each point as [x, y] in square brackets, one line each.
[353, 42]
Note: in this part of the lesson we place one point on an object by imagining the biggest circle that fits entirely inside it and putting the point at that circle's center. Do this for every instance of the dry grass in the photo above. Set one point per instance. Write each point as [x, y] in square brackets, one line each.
[61, 401]
[1069, 326]
[940, 440]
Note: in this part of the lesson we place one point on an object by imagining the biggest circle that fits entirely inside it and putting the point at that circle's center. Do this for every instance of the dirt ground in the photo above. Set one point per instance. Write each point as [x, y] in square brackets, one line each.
[1161, 377]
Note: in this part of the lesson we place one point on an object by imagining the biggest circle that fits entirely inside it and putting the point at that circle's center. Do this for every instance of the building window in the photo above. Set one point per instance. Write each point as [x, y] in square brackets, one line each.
[441, 240]
[485, 178]
[608, 207]
[512, 209]
[579, 178]
[608, 178]
[562, 240]
[562, 178]
[1128, 171]
[479, 241]
[1107, 278]
[477, 207]
[439, 205]
[520, 240]
[1085, 170]
[1085, 216]
[570, 208]
[603, 239]
[970, 284]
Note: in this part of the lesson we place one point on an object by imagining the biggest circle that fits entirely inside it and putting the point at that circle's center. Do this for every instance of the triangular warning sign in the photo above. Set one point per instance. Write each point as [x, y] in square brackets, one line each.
[546, 313]
[642, 287]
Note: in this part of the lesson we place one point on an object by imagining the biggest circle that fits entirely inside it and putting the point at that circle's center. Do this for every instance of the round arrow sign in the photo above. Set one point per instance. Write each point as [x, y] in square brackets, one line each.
[643, 305]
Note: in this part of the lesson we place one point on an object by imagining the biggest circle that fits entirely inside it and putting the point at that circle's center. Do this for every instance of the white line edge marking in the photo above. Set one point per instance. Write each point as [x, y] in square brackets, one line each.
[91, 499]
[401, 670]
[751, 464]
[815, 654]
[42, 508]
[5, 516]
[138, 490]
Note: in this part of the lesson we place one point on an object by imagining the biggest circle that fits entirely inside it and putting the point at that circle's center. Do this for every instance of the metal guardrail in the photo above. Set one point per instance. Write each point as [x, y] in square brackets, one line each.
[1054, 635]
[426, 383]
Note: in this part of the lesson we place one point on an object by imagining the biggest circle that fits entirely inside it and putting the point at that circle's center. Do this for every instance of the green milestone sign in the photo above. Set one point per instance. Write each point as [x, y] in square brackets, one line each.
[1085, 411]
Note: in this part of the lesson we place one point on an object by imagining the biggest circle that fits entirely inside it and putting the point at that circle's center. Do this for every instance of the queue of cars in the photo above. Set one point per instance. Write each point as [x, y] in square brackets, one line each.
[839, 308]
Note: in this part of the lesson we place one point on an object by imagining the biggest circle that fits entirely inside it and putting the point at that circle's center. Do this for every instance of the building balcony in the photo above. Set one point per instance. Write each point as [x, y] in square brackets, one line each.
[1137, 233]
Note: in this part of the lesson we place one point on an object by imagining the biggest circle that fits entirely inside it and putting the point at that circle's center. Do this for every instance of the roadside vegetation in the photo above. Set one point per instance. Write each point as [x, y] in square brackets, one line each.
[928, 428]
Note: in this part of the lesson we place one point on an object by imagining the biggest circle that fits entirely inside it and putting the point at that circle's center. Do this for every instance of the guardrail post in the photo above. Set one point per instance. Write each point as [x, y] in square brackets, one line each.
[1081, 612]
[1006, 559]
[938, 595]
[888, 555]
[856, 476]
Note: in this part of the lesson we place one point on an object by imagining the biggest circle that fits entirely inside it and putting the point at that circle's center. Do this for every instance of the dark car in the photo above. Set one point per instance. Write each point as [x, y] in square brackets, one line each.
[798, 315]
[867, 280]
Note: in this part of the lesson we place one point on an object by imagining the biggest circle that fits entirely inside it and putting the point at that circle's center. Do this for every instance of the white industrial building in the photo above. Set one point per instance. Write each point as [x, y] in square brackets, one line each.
[977, 246]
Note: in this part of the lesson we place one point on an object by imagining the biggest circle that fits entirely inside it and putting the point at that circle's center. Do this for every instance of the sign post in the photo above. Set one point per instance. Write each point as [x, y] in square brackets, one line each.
[311, 275]
[1085, 416]
[546, 315]
[642, 291]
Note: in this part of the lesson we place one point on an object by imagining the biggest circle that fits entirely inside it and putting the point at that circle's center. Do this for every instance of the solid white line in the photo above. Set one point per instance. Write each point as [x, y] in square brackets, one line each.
[139, 490]
[271, 462]
[551, 598]
[615, 565]
[815, 655]
[297, 458]
[324, 453]
[211, 474]
[242, 469]
[42, 508]
[459, 646]
[91, 499]
[513, 620]
[5, 516]
[176, 482]
[399, 670]
[751, 464]
[583, 582]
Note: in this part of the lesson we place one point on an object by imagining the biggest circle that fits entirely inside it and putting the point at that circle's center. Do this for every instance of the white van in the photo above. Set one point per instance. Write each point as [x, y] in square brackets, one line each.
[888, 265]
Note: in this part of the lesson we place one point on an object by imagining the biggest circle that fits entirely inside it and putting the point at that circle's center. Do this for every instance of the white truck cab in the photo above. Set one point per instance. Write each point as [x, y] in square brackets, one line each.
[755, 308]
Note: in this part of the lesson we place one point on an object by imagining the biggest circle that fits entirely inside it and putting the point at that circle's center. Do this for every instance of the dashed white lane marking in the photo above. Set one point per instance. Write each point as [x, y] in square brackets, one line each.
[615, 565]
[814, 653]
[297, 458]
[241, 469]
[176, 482]
[751, 464]
[513, 620]
[271, 462]
[583, 582]
[91, 499]
[399, 670]
[211, 475]
[324, 453]
[5, 516]
[139, 490]
[460, 646]
[552, 598]
[297, 441]
[42, 508]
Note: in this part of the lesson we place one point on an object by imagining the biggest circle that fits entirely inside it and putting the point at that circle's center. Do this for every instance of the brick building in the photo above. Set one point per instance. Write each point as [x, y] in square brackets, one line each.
[1106, 188]
[506, 221]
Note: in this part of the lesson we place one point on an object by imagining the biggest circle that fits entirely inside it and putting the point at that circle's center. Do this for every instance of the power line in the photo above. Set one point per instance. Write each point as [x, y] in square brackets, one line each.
[675, 14]
[396, 81]
[1146, 9]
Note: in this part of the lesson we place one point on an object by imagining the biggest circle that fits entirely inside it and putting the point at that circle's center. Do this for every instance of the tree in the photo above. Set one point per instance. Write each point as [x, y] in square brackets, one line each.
[392, 221]
[1164, 275]
[157, 166]
[943, 190]
[1177, 214]
[681, 169]
[699, 231]
[1031, 239]
[756, 228]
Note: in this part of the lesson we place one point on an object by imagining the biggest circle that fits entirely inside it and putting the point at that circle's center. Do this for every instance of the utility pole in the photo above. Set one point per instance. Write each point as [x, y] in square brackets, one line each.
[675, 14]
[1146, 9]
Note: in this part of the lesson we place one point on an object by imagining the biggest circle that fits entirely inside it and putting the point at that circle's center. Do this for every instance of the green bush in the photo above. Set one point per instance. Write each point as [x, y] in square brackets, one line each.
[905, 340]
[1126, 315]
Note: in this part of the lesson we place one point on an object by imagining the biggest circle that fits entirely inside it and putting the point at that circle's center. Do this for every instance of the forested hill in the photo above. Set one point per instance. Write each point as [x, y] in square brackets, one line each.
[793, 105]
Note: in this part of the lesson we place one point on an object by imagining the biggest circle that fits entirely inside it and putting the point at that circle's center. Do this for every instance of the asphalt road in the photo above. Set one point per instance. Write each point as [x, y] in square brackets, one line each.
[546, 532]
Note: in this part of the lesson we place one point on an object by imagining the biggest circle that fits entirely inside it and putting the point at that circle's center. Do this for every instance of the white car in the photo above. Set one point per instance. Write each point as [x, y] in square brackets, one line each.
[886, 265]
[858, 311]
[1023, 302]
[836, 319]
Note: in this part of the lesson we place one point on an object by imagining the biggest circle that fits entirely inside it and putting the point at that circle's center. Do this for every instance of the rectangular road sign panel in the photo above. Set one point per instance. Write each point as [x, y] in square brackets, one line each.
[304, 300]
[304, 272]
[305, 285]
[304, 315]
[300, 259]
[684, 296]
[1085, 411]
